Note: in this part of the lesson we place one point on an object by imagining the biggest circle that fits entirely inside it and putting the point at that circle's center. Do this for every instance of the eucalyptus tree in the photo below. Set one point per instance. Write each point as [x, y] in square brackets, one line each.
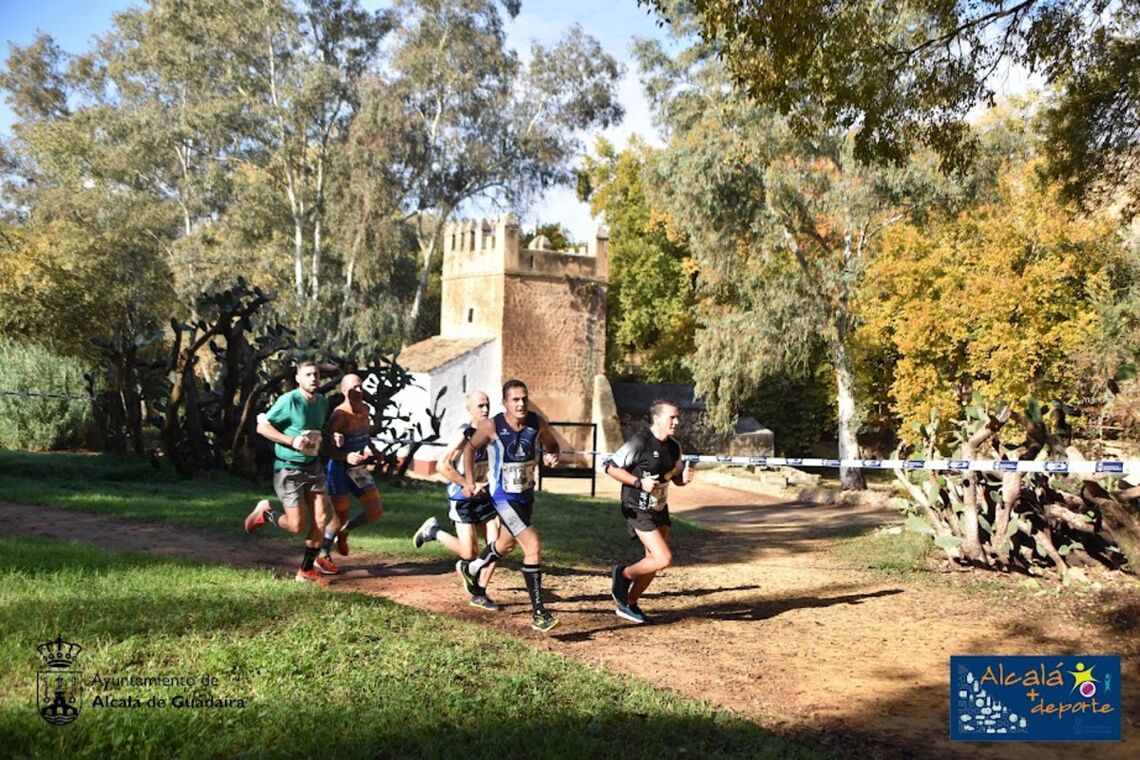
[782, 224]
[483, 124]
[909, 73]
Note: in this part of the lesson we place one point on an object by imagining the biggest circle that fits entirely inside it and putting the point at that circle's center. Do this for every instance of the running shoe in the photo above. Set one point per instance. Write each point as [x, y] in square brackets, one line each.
[483, 602]
[327, 566]
[470, 582]
[619, 589]
[309, 576]
[342, 543]
[543, 621]
[637, 609]
[256, 518]
[426, 532]
[628, 613]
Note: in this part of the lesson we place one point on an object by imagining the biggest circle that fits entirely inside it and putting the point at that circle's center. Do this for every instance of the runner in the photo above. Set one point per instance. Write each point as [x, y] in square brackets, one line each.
[513, 439]
[349, 447]
[473, 513]
[645, 465]
[294, 425]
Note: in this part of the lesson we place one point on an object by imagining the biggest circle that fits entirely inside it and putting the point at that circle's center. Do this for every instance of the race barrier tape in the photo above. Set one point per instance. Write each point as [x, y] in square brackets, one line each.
[37, 394]
[1048, 466]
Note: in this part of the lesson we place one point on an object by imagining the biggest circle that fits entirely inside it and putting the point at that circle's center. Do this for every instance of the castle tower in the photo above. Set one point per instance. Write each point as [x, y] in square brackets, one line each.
[546, 307]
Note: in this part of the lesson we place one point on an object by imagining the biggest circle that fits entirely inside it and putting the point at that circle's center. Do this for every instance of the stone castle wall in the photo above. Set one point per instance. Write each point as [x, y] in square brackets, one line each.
[554, 340]
[548, 306]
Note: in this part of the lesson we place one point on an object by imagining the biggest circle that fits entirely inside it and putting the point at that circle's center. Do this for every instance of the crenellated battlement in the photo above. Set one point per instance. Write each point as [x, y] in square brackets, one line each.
[483, 247]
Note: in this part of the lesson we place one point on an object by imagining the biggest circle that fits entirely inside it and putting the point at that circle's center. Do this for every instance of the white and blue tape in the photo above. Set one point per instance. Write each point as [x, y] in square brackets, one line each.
[1050, 466]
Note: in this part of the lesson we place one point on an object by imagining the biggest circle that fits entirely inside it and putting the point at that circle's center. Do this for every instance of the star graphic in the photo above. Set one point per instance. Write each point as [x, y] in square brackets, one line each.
[1080, 676]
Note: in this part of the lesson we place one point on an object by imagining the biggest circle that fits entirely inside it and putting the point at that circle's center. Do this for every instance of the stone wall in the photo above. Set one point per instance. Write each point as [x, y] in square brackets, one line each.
[547, 306]
[554, 340]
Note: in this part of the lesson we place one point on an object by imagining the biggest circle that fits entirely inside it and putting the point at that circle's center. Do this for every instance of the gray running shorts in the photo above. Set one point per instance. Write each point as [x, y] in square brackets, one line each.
[290, 485]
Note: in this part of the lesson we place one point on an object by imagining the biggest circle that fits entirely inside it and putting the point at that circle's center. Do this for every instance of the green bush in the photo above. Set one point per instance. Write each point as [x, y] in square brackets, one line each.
[37, 423]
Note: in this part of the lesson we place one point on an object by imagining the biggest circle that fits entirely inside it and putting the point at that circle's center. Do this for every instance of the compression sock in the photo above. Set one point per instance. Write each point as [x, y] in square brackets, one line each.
[533, 576]
[355, 522]
[489, 554]
[310, 557]
[326, 545]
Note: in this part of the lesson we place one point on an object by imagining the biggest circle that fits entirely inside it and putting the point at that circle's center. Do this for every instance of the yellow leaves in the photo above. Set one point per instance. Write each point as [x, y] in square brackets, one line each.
[996, 300]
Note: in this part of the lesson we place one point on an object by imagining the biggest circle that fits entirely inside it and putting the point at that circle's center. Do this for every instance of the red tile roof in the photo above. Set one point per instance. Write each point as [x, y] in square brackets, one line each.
[435, 352]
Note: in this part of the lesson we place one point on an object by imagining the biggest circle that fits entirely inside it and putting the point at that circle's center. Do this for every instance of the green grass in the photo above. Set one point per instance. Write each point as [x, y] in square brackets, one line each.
[320, 673]
[576, 530]
[901, 553]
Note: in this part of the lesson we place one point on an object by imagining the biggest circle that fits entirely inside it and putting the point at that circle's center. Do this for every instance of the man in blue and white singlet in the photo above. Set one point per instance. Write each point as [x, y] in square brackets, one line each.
[472, 510]
[514, 439]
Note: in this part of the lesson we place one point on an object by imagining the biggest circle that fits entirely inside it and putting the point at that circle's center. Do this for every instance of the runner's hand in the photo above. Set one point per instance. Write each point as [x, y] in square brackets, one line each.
[687, 473]
[550, 458]
[647, 483]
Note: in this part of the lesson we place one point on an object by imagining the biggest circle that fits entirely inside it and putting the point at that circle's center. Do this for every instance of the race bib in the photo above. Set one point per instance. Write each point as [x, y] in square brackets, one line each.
[658, 497]
[311, 442]
[361, 477]
[517, 476]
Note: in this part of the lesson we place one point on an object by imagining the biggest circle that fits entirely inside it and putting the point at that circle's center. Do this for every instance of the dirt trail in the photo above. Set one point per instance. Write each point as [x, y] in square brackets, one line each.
[756, 615]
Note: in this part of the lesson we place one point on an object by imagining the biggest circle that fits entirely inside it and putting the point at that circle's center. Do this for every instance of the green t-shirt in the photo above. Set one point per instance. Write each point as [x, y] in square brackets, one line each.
[291, 414]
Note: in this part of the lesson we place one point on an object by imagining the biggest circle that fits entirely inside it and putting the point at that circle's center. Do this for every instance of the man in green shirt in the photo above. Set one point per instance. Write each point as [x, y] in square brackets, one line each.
[294, 425]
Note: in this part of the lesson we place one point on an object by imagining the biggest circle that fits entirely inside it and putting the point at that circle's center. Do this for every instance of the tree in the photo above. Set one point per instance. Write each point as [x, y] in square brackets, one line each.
[782, 228]
[1038, 523]
[909, 73]
[483, 125]
[652, 286]
[280, 141]
[560, 238]
[313, 63]
[998, 299]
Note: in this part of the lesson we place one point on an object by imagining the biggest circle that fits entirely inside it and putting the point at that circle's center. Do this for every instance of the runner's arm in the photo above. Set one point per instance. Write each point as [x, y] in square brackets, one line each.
[329, 447]
[266, 429]
[476, 438]
[447, 461]
[549, 442]
[616, 467]
[683, 472]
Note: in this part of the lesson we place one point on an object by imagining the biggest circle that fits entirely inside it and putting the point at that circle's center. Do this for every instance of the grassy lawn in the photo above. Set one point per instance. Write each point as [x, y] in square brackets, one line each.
[318, 673]
[575, 529]
[895, 552]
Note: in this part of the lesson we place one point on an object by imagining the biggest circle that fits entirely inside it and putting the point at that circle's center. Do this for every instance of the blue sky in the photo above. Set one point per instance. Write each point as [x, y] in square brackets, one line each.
[74, 23]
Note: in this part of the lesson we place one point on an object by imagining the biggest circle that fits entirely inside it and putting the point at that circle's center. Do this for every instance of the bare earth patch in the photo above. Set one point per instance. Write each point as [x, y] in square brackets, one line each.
[756, 616]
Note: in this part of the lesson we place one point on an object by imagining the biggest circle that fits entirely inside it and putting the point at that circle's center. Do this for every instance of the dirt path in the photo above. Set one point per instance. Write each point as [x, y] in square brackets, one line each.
[755, 615]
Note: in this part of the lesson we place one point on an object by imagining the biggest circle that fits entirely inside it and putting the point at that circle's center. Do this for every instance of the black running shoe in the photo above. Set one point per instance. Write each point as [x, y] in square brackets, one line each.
[620, 587]
[543, 621]
[470, 582]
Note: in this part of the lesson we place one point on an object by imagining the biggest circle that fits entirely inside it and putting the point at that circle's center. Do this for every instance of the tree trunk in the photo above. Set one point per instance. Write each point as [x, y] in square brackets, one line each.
[318, 215]
[849, 477]
[292, 190]
[298, 253]
[421, 287]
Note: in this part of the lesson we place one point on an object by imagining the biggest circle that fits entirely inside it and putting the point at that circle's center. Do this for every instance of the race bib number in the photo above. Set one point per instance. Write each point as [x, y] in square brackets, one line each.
[659, 497]
[517, 476]
[311, 442]
[361, 477]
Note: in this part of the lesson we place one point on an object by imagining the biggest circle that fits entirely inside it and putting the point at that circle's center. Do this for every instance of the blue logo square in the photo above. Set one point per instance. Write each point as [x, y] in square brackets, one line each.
[996, 698]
